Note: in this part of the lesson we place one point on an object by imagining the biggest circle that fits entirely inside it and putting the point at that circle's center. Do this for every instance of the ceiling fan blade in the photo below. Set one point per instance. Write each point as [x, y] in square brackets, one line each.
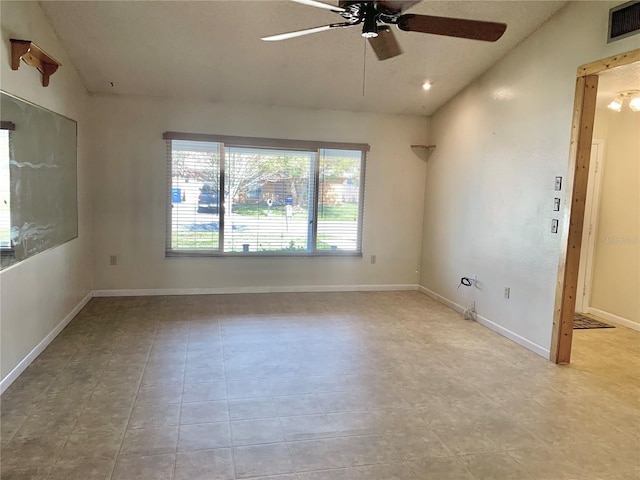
[385, 44]
[391, 7]
[314, 3]
[452, 27]
[297, 33]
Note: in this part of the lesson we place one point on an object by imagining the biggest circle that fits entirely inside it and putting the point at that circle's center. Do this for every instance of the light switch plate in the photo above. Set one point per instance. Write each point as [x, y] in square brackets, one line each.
[554, 225]
[558, 184]
[556, 204]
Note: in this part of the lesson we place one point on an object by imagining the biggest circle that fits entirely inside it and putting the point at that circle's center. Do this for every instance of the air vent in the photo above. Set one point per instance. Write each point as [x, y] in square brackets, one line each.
[624, 21]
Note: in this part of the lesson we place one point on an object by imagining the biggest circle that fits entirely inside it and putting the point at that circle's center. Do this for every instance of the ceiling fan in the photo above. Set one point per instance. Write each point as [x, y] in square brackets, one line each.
[376, 16]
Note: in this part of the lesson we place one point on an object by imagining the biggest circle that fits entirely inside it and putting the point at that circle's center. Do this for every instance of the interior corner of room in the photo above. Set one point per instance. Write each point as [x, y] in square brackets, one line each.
[477, 199]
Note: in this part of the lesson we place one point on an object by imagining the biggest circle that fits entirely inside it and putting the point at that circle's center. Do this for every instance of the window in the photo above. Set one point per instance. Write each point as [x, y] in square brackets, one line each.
[252, 196]
[6, 245]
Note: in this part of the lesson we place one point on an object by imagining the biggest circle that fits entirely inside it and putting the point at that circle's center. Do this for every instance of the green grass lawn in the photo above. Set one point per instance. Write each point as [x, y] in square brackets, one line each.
[347, 212]
[194, 240]
[182, 240]
[257, 210]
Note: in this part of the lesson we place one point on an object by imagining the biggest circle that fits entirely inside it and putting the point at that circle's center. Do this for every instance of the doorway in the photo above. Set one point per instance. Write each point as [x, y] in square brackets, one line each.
[575, 204]
[585, 270]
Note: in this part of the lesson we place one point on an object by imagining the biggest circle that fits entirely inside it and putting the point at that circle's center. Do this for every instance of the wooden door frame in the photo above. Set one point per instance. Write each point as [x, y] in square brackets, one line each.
[573, 210]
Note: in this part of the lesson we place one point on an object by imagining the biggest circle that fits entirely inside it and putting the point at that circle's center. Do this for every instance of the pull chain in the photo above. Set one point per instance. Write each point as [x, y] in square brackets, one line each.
[364, 66]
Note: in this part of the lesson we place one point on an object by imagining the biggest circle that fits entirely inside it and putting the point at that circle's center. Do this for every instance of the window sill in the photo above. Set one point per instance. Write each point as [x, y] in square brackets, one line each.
[186, 253]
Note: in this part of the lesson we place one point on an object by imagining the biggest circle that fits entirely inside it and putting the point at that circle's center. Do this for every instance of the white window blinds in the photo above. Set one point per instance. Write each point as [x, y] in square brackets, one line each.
[285, 198]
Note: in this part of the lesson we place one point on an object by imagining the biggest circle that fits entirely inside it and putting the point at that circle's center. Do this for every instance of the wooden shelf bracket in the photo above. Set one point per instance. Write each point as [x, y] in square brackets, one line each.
[33, 56]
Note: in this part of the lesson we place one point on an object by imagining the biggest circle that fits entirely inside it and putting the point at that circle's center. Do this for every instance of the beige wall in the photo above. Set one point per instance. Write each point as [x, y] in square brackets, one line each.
[616, 263]
[130, 189]
[38, 293]
[489, 182]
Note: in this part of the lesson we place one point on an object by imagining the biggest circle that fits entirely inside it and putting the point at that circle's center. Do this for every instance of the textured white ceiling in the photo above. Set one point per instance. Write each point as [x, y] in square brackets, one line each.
[611, 82]
[212, 51]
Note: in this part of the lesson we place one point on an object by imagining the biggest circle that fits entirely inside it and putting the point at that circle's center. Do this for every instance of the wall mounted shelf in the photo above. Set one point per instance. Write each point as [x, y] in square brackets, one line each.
[33, 56]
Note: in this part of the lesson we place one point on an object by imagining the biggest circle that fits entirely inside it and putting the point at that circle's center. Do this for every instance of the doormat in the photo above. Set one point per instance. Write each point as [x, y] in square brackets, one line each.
[581, 322]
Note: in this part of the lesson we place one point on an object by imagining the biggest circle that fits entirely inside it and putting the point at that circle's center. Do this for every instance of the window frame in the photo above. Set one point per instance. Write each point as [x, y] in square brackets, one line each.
[226, 141]
[8, 254]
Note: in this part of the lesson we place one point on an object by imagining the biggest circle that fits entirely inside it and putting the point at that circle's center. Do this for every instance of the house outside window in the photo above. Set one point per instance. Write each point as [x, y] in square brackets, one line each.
[252, 196]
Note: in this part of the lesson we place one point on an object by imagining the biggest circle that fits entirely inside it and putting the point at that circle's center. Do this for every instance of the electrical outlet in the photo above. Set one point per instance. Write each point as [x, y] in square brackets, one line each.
[113, 260]
[556, 204]
[373, 259]
[554, 225]
[507, 292]
[558, 184]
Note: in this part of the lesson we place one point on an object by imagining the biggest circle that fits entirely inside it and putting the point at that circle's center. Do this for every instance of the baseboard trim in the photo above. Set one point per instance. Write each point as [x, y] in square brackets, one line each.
[38, 349]
[229, 290]
[439, 298]
[520, 340]
[505, 332]
[610, 317]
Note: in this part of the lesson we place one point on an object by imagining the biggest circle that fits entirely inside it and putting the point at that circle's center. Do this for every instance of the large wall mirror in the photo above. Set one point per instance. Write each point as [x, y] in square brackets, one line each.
[38, 180]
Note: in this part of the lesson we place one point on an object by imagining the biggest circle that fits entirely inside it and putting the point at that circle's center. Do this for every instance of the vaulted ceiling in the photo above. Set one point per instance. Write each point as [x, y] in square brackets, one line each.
[211, 50]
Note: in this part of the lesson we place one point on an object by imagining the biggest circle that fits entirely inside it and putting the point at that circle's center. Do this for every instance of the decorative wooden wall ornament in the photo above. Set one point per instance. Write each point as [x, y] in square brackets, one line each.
[33, 56]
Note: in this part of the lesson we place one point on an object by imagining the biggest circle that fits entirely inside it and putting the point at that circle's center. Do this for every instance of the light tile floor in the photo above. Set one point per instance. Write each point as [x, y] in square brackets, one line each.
[335, 386]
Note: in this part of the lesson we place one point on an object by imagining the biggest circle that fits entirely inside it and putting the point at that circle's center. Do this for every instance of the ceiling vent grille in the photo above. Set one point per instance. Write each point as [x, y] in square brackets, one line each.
[624, 21]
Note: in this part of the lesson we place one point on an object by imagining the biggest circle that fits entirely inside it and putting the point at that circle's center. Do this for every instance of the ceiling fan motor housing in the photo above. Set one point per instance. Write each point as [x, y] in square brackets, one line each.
[370, 25]
[357, 11]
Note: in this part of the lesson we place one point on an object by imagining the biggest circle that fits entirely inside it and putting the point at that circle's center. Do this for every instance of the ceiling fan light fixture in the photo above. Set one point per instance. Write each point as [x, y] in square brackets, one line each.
[426, 85]
[616, 105]
[634, 101]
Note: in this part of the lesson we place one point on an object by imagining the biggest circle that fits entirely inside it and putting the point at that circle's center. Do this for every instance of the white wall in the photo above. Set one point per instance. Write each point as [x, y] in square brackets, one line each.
[616, 262]
[489, 182]
[130, 186]
[38, 293]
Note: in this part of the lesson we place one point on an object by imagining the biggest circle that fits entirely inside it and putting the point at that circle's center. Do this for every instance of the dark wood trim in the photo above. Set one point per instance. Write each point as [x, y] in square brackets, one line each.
[305, 145]
[5, 125]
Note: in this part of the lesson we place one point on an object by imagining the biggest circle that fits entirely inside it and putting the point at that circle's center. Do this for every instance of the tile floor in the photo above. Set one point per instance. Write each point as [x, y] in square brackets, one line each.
[335, 386]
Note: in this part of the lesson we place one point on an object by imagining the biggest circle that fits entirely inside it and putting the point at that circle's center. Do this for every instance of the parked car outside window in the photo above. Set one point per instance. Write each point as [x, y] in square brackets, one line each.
[208, 200]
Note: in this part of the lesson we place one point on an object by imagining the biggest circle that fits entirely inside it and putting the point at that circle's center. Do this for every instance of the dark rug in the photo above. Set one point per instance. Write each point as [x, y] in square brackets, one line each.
[581, 322]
